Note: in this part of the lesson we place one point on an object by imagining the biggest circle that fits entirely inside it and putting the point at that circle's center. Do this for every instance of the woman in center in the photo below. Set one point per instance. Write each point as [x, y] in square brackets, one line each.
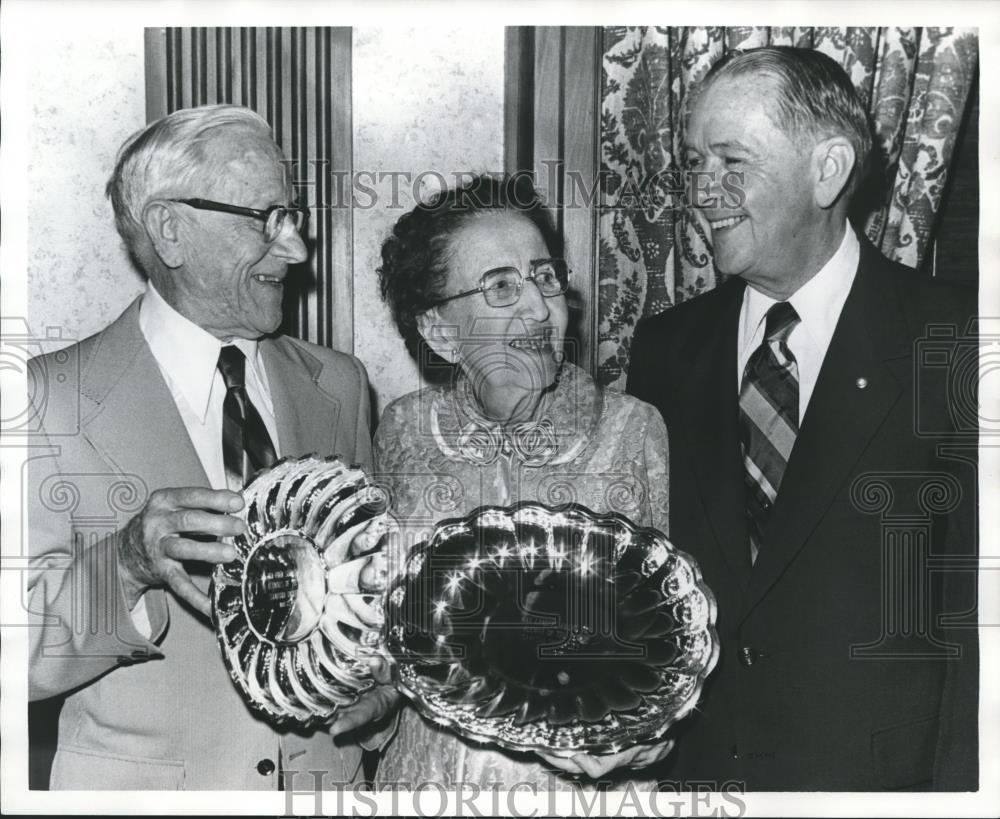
[476, 283]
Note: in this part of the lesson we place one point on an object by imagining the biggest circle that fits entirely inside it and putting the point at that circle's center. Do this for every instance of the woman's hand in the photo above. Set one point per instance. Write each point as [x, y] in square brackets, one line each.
[597, 765]
[373, 706]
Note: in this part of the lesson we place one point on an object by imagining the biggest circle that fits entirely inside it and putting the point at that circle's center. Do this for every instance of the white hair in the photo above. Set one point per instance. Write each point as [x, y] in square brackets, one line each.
[162, 160]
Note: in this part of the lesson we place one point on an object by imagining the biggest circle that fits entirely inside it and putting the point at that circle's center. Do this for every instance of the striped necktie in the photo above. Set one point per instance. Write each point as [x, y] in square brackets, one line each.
[246, 446]
[769, 418]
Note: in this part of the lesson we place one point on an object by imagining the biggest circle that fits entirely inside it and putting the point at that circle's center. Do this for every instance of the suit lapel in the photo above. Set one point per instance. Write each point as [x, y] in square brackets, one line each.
[714, 423]
[135, 425]
[840, 421]
[306, 414]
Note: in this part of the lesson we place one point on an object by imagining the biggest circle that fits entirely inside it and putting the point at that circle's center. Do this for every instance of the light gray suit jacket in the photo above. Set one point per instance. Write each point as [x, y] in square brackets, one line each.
[160, 713]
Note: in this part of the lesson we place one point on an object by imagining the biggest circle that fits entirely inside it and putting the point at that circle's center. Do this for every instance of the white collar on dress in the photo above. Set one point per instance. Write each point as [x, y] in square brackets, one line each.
[563, 428]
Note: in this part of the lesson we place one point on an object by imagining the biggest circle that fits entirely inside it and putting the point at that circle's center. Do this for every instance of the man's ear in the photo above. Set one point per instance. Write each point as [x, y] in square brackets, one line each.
[163, 230]
[833, 160]
[439, 335]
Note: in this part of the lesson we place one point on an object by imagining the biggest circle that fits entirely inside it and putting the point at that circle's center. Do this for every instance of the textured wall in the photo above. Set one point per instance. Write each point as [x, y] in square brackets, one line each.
[86, 95]
[424, 100]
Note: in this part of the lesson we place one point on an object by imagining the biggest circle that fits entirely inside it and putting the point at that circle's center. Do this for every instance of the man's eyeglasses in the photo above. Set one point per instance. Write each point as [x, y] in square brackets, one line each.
[274, 218]
[502, 286]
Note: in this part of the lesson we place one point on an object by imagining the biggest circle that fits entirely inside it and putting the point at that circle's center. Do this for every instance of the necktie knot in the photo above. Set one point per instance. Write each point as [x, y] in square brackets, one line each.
[781, 320]
[246, 443]
[232, 365]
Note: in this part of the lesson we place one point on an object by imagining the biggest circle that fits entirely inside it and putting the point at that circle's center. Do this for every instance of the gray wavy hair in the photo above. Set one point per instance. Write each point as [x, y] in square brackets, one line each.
[163, 160]
[813, 96]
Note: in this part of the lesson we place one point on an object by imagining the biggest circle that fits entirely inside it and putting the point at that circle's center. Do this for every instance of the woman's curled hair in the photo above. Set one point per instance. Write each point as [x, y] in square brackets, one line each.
[415, 257]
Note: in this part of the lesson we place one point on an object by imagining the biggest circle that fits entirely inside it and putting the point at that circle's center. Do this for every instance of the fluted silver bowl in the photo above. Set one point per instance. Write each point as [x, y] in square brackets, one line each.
[553, 630]
[301, 606]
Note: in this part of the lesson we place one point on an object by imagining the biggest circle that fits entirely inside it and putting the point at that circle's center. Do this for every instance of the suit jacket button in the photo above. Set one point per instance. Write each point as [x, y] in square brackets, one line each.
[265, 767]
[747, 656]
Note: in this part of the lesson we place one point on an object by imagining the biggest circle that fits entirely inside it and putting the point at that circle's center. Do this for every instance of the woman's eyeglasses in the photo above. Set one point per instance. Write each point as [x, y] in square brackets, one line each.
[502, 286]
[274, 218]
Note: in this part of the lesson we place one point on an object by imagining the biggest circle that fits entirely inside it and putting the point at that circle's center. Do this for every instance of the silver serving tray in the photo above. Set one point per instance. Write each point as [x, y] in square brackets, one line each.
[299, 608]
[553, 630]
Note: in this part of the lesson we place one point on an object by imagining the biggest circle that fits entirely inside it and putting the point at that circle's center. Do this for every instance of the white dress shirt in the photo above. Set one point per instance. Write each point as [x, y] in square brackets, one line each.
[188, 359]
[818, 303]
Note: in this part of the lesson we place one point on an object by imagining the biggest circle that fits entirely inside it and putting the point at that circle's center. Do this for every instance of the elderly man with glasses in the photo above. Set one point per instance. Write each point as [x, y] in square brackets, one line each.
[177, 403]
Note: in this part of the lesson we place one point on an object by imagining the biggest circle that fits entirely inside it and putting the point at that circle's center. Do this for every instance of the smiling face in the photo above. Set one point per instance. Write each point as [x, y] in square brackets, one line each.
[512, 350]
[231, 281]
[775, 239]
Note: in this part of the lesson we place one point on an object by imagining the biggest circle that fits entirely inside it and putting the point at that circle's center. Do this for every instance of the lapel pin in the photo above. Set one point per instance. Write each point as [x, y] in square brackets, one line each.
[861, 383]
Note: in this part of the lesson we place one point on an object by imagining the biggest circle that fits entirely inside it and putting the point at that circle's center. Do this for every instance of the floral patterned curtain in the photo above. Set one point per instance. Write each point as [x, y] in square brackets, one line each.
[915, 82]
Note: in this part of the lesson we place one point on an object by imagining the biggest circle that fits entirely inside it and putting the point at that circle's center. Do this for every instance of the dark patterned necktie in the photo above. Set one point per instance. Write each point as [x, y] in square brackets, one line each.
[769, 418]
[246, 446]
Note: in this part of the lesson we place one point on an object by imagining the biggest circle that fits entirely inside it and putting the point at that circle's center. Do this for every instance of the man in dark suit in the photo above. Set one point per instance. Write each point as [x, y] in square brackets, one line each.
[825, 487]
[176, 403]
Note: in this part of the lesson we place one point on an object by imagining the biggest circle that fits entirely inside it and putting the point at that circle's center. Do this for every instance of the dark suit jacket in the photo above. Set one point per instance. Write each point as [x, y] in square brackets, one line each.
[837, 671]
[157, 713]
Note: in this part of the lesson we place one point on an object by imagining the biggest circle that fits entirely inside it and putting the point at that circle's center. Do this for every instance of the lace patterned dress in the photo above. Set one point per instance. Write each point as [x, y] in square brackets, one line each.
[441, 458]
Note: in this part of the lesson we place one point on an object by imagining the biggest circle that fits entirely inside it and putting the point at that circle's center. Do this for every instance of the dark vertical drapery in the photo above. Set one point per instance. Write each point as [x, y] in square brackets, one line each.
[299, 80]
[915, 81]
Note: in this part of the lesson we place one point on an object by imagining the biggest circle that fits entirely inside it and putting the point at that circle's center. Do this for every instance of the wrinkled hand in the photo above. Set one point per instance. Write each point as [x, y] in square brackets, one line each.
[373, 705]
[356, 541]
[153, 544]
[354, 581]
[597, 765]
